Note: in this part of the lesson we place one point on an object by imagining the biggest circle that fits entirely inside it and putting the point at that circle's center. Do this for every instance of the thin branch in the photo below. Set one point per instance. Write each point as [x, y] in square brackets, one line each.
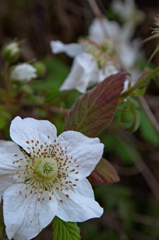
[95, 9]
[143, 168]
[149, 113]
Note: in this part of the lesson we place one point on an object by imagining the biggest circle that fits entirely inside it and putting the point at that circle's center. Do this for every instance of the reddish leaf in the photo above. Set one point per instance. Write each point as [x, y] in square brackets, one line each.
[93, 111]
[104, 173]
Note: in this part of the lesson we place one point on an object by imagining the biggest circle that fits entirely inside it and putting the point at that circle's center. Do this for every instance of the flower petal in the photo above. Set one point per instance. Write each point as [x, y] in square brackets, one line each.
[71, 49]
[84, 73]
[96, 30]
[77, 206]
[26, 217]
[9, 152]
[87, 151]
[22, 130]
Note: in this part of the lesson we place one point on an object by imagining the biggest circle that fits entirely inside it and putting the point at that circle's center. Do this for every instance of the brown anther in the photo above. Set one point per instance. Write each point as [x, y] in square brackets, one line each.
[66, 182]
[38, 199]
[70, 182]
[76, 179]
[20, 192]
[57, 188]
[19, 176]
[30, 192]
[67, 195]
[32, 141]
[76, 172]
[19, 166]
[75, 160]
[61, 200]
[74, 185]
[49, 198]
[25, 196]
[69, 162]
[37, 141]
[72, 170]
[16, 155]
[77, 166]
[13, 162]
[27, 142]
[66, 188]
[43, 199]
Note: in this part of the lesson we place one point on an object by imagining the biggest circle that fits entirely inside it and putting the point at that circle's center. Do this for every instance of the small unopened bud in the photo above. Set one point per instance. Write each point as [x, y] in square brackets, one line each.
[11, 51]
[40, 68]
[23, 72]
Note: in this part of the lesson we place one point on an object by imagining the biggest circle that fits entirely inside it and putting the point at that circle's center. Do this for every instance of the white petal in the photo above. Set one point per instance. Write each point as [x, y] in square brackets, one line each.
[71, 49]
[5, 182]
[78, 207]
[87, 151]
[8, 150]
[84, 73]
[83, 187]
[100, 29]
[26, 217]
[107, 71]
[27, 129]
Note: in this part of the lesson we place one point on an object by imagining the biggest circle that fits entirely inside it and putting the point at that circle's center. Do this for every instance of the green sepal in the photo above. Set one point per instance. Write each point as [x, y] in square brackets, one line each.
[136, 122]
[65, 230]
[127, 115]
[139, 92]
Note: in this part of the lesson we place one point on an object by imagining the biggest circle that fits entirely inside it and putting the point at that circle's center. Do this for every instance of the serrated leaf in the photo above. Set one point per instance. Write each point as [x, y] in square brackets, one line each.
[65, 230]
[93, 111]
[104, 173]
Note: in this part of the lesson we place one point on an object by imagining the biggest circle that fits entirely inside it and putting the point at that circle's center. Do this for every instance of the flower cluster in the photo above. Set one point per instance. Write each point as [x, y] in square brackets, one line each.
[106, 51]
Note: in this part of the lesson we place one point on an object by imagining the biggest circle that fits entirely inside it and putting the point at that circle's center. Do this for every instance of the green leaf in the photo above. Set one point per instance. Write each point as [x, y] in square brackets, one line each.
[93, 111]
[65, 230]
[104, 173]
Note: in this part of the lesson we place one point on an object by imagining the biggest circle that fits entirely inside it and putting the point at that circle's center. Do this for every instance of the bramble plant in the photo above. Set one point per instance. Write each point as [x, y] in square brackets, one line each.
[46, 174]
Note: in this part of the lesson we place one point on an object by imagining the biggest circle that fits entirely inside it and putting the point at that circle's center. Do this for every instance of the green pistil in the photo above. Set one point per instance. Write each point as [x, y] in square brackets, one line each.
[46, 168]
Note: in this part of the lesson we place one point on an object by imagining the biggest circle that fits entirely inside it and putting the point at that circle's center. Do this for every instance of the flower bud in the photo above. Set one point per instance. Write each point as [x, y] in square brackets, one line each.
[11, 51]
[23, 72]
[40, 68]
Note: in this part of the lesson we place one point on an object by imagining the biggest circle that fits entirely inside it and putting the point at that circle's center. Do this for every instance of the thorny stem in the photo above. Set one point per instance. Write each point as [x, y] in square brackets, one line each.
[140, 83]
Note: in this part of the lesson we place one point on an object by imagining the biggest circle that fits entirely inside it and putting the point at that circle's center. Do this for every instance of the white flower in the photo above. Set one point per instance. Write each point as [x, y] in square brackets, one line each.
[104, 32]
[46, 177]
[90, 66]
[23, 72]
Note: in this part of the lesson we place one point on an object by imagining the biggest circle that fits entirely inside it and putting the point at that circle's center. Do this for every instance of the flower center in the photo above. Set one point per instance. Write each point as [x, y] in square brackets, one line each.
[46, 168]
